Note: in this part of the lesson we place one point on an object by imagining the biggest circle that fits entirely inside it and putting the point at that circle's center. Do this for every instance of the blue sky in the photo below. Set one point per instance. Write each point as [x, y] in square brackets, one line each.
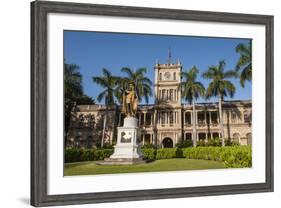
[93, 51]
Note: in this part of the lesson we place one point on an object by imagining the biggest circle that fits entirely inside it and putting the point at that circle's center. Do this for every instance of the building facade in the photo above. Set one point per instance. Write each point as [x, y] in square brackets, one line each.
[165, 123]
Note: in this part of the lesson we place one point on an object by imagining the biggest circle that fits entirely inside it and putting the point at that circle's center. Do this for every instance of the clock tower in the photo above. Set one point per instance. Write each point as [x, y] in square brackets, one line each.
[167, 84]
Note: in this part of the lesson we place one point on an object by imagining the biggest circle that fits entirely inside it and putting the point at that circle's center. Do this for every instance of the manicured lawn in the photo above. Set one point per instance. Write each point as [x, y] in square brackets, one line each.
[91, 168]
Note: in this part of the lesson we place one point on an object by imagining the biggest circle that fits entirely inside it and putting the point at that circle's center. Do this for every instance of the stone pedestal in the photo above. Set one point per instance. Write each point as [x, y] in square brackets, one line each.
[127, 149]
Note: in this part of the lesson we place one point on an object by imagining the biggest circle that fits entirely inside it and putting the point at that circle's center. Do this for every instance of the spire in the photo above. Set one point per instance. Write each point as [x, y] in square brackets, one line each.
[170, 56]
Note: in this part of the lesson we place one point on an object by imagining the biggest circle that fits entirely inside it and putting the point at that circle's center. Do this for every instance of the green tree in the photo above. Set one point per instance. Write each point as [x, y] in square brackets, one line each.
[108, 82]
[220, 86]
[142, 83]
[244, 63]
[192, 89]
[72, 91]
[122, 84]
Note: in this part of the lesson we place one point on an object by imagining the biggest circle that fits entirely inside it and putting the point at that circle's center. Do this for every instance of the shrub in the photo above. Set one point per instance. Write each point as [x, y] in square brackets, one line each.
[147, 146]
[231, 143]
[149, 154]
[167, 153]
[201, 143]
[234, 157]
[78, 155]
[216, 142]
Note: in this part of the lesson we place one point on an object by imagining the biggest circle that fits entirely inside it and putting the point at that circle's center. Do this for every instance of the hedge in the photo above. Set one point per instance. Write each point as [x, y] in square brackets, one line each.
[78, 155]
[232, 156]
[149, 153]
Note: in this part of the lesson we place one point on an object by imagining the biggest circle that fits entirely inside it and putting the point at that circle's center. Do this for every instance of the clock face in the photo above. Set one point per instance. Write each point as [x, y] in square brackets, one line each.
[167, 75]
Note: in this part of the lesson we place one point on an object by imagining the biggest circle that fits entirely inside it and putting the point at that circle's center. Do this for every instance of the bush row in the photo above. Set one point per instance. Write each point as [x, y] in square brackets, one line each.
[77, 155]
[234, 156]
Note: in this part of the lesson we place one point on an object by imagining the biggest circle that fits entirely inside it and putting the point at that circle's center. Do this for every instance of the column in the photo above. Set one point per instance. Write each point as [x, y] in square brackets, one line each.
[205, 117]
[168, 118]
[206, 137]
[144, 119]
[142, 139]
[210, 117]
[139, 119]
[151, 138]
[212, 135]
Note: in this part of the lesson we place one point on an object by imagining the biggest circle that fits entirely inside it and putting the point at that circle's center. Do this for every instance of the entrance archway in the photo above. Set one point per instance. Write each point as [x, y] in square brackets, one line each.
[167, 142]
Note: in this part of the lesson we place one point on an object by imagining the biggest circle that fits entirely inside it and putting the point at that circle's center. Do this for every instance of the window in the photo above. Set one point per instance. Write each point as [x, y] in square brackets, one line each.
[162, 118]
[171, 95]
[163, 94]
[247, 117]
[174, 75]
[188, 136]
[214, 117]
[160, 76]
[148, 119]
[171, 114]
[200, 118]
[201, 136]
[187, 118]
[216, 135]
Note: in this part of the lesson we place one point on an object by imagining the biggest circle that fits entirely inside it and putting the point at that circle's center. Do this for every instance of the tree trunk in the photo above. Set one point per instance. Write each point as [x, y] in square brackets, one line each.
[194, 136]
[103, 131]
[221, 120]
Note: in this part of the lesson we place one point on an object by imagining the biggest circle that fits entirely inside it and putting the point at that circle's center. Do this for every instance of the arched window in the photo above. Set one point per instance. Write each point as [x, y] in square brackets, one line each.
[174, 75]
[236, 138]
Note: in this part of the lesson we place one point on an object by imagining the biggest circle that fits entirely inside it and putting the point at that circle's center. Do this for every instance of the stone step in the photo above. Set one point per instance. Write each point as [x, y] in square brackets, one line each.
[121, 161]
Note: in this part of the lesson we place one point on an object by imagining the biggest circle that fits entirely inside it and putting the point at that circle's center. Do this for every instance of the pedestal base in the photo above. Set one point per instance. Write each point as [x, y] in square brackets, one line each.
[127, 150]
[121, 161]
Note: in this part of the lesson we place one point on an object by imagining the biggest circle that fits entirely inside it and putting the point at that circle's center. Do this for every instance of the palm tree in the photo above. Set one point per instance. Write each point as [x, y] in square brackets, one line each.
[191, 91]
[122, 84]
[108, 82]
[142, 83]
[220, 87]
[244, 62]
[72, 91]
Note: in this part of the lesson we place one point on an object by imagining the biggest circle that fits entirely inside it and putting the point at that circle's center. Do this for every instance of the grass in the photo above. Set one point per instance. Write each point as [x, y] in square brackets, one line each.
[91, 168]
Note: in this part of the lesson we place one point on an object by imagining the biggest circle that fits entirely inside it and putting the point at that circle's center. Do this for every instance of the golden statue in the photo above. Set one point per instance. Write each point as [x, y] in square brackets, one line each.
[130, 101]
